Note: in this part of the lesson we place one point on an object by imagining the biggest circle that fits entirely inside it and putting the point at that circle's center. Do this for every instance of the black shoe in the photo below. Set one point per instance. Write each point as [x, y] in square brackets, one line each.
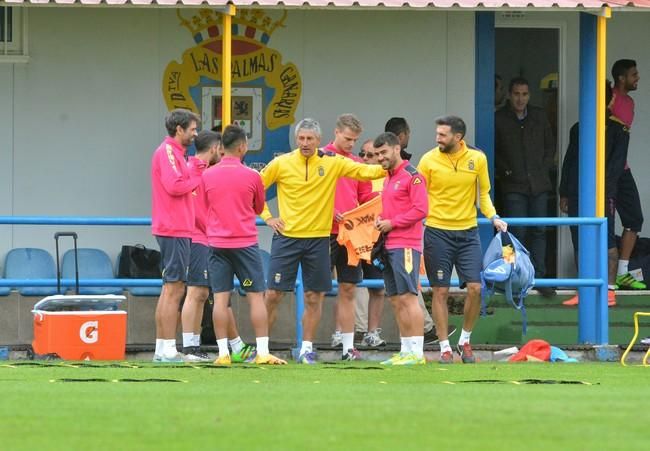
[546, 292]
[352, 354]
[194, 354]
[431, 337]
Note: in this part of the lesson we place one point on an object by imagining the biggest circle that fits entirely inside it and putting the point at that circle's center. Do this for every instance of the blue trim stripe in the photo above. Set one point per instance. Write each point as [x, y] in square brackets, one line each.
[484, 98]
[588, 256]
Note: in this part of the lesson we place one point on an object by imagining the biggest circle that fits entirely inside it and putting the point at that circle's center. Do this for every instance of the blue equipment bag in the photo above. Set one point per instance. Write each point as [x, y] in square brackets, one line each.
[507, 269]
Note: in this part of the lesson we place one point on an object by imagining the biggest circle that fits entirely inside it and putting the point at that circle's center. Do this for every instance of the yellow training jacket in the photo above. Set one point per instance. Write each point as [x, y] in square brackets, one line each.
[452, 187]
[306, 189]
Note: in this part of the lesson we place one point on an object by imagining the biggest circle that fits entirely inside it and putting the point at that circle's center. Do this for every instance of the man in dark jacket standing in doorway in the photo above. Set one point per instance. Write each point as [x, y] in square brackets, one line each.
[525, 152]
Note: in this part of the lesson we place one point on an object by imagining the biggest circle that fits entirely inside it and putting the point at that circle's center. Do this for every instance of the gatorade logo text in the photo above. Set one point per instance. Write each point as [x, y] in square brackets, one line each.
[89, 332]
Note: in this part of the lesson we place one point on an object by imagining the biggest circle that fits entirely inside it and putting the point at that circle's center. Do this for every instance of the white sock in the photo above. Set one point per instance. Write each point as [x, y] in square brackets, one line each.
[196, 340]
[188, 339]
[622, 267]
[223, 347]
[444, 346]
[236, 344]
[262, 346]
[417, 346]
[348, 341]
[404, 342]
[159, 346]
[611, 287]
[307, 346]
[464, 337]
[169, 348]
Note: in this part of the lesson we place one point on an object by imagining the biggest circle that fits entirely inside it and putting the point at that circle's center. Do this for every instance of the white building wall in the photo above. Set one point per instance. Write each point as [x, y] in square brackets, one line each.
[78, 122]
[6, 152]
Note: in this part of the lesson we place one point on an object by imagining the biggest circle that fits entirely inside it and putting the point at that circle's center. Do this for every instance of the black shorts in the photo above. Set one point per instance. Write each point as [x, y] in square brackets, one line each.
[244, 262]
[402, 271]
[371, 271]
[339, 260]
[311, 253]
[197, 276]
[174, 258]
[444, 249]
[628, 202]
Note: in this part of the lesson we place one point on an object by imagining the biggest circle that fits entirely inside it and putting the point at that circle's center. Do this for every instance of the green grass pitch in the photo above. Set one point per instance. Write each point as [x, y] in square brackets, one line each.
[486, 406]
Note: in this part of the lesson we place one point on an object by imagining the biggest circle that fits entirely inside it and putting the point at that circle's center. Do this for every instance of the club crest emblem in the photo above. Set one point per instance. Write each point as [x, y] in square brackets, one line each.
[265, 90]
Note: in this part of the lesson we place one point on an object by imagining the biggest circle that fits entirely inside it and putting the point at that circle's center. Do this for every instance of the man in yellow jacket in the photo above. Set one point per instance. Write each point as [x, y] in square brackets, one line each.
[306, 181]
[457, 180]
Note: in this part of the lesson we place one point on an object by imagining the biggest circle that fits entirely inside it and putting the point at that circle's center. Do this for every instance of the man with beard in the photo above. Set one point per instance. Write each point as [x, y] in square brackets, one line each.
[400, 128]
[451, 172]
[628, 202]
[172, 223]
[208, 146]
[404, 206]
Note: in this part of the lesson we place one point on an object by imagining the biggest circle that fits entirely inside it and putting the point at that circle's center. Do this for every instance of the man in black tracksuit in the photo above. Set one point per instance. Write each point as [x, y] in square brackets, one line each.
[616, 139]
[525, 152]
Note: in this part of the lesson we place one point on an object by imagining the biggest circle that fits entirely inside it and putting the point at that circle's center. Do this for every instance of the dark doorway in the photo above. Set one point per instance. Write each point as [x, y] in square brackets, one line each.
[533, 53]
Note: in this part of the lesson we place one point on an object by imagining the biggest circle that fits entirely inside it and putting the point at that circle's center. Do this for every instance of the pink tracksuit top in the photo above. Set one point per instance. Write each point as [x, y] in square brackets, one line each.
[405, 203]
[235, 195]
[199, 234]
[172, 183]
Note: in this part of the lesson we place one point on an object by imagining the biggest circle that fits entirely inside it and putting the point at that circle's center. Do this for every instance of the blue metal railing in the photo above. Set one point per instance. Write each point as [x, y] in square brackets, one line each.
[593, 316]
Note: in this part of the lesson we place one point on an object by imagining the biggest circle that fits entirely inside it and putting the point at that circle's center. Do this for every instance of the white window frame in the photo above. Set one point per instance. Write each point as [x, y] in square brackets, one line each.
[15, 51]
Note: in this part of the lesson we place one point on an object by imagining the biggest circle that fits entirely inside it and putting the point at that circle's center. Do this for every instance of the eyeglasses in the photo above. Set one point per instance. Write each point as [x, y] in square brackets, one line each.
[363, 154]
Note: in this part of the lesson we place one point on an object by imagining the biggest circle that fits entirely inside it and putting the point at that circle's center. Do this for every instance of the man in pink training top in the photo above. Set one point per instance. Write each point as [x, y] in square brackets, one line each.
[350, 193]
[208, 149]
[628, 202]
[404, 207]
[172, 223]
[232, 235]
[208, 146]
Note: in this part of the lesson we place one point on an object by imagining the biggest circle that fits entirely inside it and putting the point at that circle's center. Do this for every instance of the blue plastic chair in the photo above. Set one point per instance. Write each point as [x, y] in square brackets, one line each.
[93, 264]
[30, 263]
[138, 291]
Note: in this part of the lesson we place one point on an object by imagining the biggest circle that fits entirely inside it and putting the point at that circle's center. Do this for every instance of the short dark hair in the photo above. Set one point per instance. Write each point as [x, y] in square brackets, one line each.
[517, 81]
[386, 138]
[397, 125]
[205, 140]
[620, 68]
[182, 117]
[456, 124]
[232, 136]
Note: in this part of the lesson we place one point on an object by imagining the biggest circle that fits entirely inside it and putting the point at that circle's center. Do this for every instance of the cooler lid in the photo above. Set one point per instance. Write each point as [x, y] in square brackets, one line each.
[60, 302]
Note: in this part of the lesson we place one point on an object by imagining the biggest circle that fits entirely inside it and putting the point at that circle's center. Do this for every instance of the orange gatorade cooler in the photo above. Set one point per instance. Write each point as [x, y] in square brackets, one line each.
[80, 327]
